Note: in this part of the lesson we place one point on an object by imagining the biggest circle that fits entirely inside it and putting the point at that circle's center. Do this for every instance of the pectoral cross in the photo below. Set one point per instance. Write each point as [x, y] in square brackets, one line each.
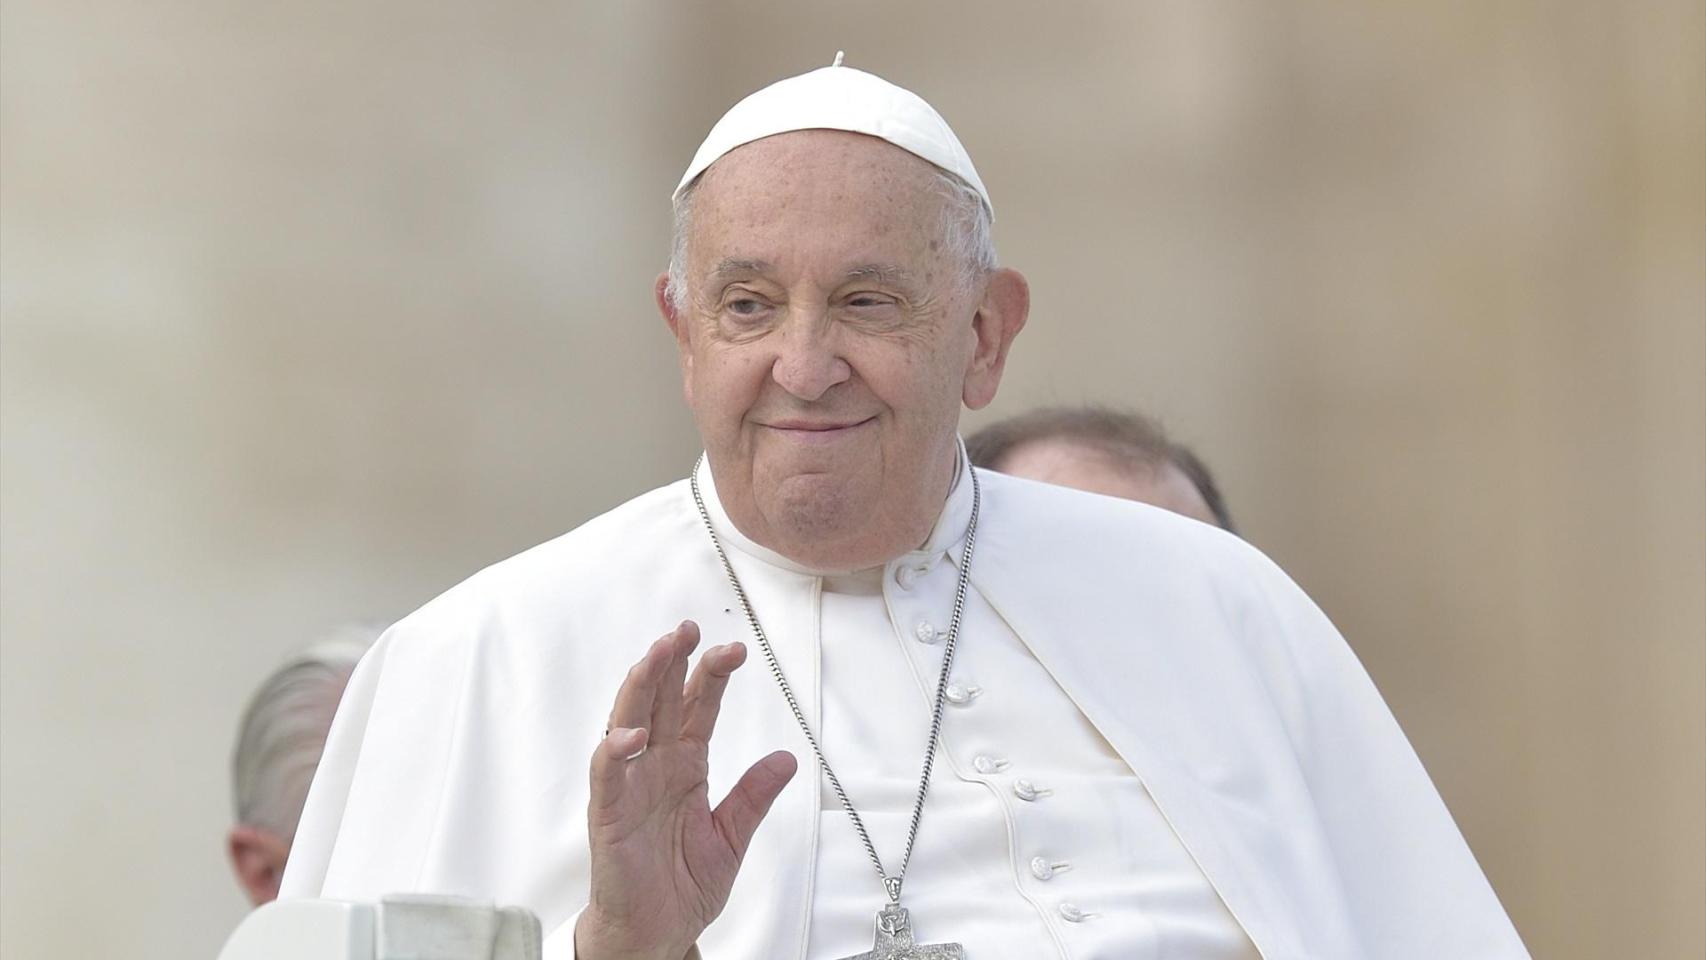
[894, 941]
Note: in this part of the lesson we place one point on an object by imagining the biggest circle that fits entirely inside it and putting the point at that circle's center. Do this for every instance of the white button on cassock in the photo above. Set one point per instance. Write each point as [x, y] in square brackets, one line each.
[926, 632]
[960, 695]
[1044, 869]
[985, 764]
[1072, 914]
[1028, 791]
[907, 575]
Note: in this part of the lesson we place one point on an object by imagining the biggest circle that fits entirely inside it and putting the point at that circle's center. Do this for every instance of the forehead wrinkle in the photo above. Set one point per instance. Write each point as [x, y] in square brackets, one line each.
[764, 191]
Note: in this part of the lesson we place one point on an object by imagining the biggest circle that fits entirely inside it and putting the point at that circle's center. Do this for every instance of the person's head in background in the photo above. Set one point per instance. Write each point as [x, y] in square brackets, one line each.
[1102, 451]
[278, 749]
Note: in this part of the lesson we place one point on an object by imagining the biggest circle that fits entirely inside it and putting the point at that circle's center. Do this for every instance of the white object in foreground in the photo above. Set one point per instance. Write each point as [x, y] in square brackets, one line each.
[404, 927]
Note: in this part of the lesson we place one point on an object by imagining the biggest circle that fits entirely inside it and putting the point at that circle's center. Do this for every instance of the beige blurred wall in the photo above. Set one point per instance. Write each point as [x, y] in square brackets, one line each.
[309, 310]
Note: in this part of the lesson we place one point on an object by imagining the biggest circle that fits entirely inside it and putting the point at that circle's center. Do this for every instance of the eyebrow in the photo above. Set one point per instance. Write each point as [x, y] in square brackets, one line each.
[885, 273]
[731, 267]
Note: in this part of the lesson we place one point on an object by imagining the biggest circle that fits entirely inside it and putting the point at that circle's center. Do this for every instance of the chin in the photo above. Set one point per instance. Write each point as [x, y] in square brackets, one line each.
[819, 508]
[814, 499]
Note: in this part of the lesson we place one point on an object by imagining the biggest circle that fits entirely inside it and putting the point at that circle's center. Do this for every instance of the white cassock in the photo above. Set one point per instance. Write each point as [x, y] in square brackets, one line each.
[1155, 747]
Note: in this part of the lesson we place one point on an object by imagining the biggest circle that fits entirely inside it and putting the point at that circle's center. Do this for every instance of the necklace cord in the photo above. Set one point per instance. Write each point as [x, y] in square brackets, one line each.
[891, 884]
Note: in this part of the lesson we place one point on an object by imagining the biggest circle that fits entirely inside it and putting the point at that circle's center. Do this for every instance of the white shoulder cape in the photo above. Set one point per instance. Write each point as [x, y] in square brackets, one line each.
[457, 763]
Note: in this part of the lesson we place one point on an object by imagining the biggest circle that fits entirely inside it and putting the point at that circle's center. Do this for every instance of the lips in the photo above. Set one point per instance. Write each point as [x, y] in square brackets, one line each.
[811, 426]
[809, 430]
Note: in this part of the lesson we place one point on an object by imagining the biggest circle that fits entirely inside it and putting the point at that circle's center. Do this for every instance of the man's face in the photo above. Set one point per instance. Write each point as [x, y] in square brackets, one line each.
[827, 341]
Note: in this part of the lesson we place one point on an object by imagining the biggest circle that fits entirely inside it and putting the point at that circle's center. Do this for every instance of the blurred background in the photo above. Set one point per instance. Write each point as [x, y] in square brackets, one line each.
[312, 309]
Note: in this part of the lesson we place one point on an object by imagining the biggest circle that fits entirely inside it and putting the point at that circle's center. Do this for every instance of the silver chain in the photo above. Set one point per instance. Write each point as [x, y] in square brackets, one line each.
[891, 884]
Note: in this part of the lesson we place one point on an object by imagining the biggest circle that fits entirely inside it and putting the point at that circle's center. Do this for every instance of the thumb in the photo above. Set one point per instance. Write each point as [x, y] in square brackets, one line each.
[740, 813]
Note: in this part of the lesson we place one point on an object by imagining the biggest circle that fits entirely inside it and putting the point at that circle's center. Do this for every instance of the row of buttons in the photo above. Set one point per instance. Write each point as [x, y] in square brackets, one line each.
[961, 694]
[1042, 868]
[958, 694]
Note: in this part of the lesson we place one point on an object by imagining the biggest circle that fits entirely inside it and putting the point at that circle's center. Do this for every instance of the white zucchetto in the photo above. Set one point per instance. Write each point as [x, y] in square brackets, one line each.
[839, 98]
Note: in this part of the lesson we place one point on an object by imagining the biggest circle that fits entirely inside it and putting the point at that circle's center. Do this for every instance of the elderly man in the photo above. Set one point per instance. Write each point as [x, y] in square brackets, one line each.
[1034, 722]
[278, 746]
[1103, 451]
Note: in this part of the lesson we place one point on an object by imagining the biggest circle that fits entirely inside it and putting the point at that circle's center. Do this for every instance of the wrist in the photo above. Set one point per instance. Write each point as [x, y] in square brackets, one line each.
[599, 939]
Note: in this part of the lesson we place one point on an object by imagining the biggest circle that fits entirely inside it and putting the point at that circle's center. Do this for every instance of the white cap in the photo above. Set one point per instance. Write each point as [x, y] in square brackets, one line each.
[839, 98]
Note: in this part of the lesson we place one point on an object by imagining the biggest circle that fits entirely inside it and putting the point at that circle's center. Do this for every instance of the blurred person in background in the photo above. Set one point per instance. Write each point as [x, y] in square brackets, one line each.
[1102, 451]
[278, 749]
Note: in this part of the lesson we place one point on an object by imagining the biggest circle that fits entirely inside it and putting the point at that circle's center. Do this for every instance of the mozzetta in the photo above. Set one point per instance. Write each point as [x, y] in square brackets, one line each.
[1155, 716]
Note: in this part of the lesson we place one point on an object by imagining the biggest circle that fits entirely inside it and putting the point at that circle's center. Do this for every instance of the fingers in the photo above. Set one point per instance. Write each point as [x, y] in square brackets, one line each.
[652, 706]
[666, 707]
[637, 698]
[704, 697]
[619, 746]
[740, 813]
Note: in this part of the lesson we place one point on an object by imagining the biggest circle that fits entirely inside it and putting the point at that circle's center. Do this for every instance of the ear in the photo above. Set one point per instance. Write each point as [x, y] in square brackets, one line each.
[1006, 305]
[680, 328]
[258, 857]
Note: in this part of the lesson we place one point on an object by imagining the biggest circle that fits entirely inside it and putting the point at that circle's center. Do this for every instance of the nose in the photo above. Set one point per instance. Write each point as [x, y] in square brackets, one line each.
[808, 357]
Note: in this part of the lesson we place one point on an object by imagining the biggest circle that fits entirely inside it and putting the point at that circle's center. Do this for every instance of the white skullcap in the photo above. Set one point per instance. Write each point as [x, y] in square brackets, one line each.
[839, 98]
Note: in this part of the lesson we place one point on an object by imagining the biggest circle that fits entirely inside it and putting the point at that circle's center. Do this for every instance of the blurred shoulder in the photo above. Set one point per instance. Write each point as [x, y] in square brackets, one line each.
[1085, 546]
[1065, 523]
[1053, 550]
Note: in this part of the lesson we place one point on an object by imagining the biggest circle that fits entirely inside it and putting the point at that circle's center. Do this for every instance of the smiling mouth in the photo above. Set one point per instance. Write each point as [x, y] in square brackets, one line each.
[804, 430]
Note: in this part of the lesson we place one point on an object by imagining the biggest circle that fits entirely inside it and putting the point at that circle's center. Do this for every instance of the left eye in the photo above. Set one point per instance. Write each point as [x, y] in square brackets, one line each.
[745, 307]
[867, 300]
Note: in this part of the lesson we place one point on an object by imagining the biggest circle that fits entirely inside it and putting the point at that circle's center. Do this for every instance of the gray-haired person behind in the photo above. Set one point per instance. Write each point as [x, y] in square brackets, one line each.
[278, 749]
[1102, 451]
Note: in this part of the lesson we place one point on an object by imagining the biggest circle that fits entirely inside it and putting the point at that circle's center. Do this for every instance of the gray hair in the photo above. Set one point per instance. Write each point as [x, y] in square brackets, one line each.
[284, 730]
[967, 227]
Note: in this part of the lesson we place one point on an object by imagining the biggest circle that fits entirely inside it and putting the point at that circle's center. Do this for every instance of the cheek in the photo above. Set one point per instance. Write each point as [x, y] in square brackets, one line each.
[949, 357]
[917, 381]
[726, 383]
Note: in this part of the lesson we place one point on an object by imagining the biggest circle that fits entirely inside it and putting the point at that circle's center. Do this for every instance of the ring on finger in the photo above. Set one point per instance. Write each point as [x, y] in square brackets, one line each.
[637, 753]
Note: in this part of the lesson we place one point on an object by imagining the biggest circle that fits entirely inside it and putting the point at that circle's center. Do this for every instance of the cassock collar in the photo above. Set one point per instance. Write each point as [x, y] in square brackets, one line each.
[945, 536]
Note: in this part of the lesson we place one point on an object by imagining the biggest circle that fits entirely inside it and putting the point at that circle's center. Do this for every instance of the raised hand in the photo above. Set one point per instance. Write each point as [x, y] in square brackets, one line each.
[663, 861]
